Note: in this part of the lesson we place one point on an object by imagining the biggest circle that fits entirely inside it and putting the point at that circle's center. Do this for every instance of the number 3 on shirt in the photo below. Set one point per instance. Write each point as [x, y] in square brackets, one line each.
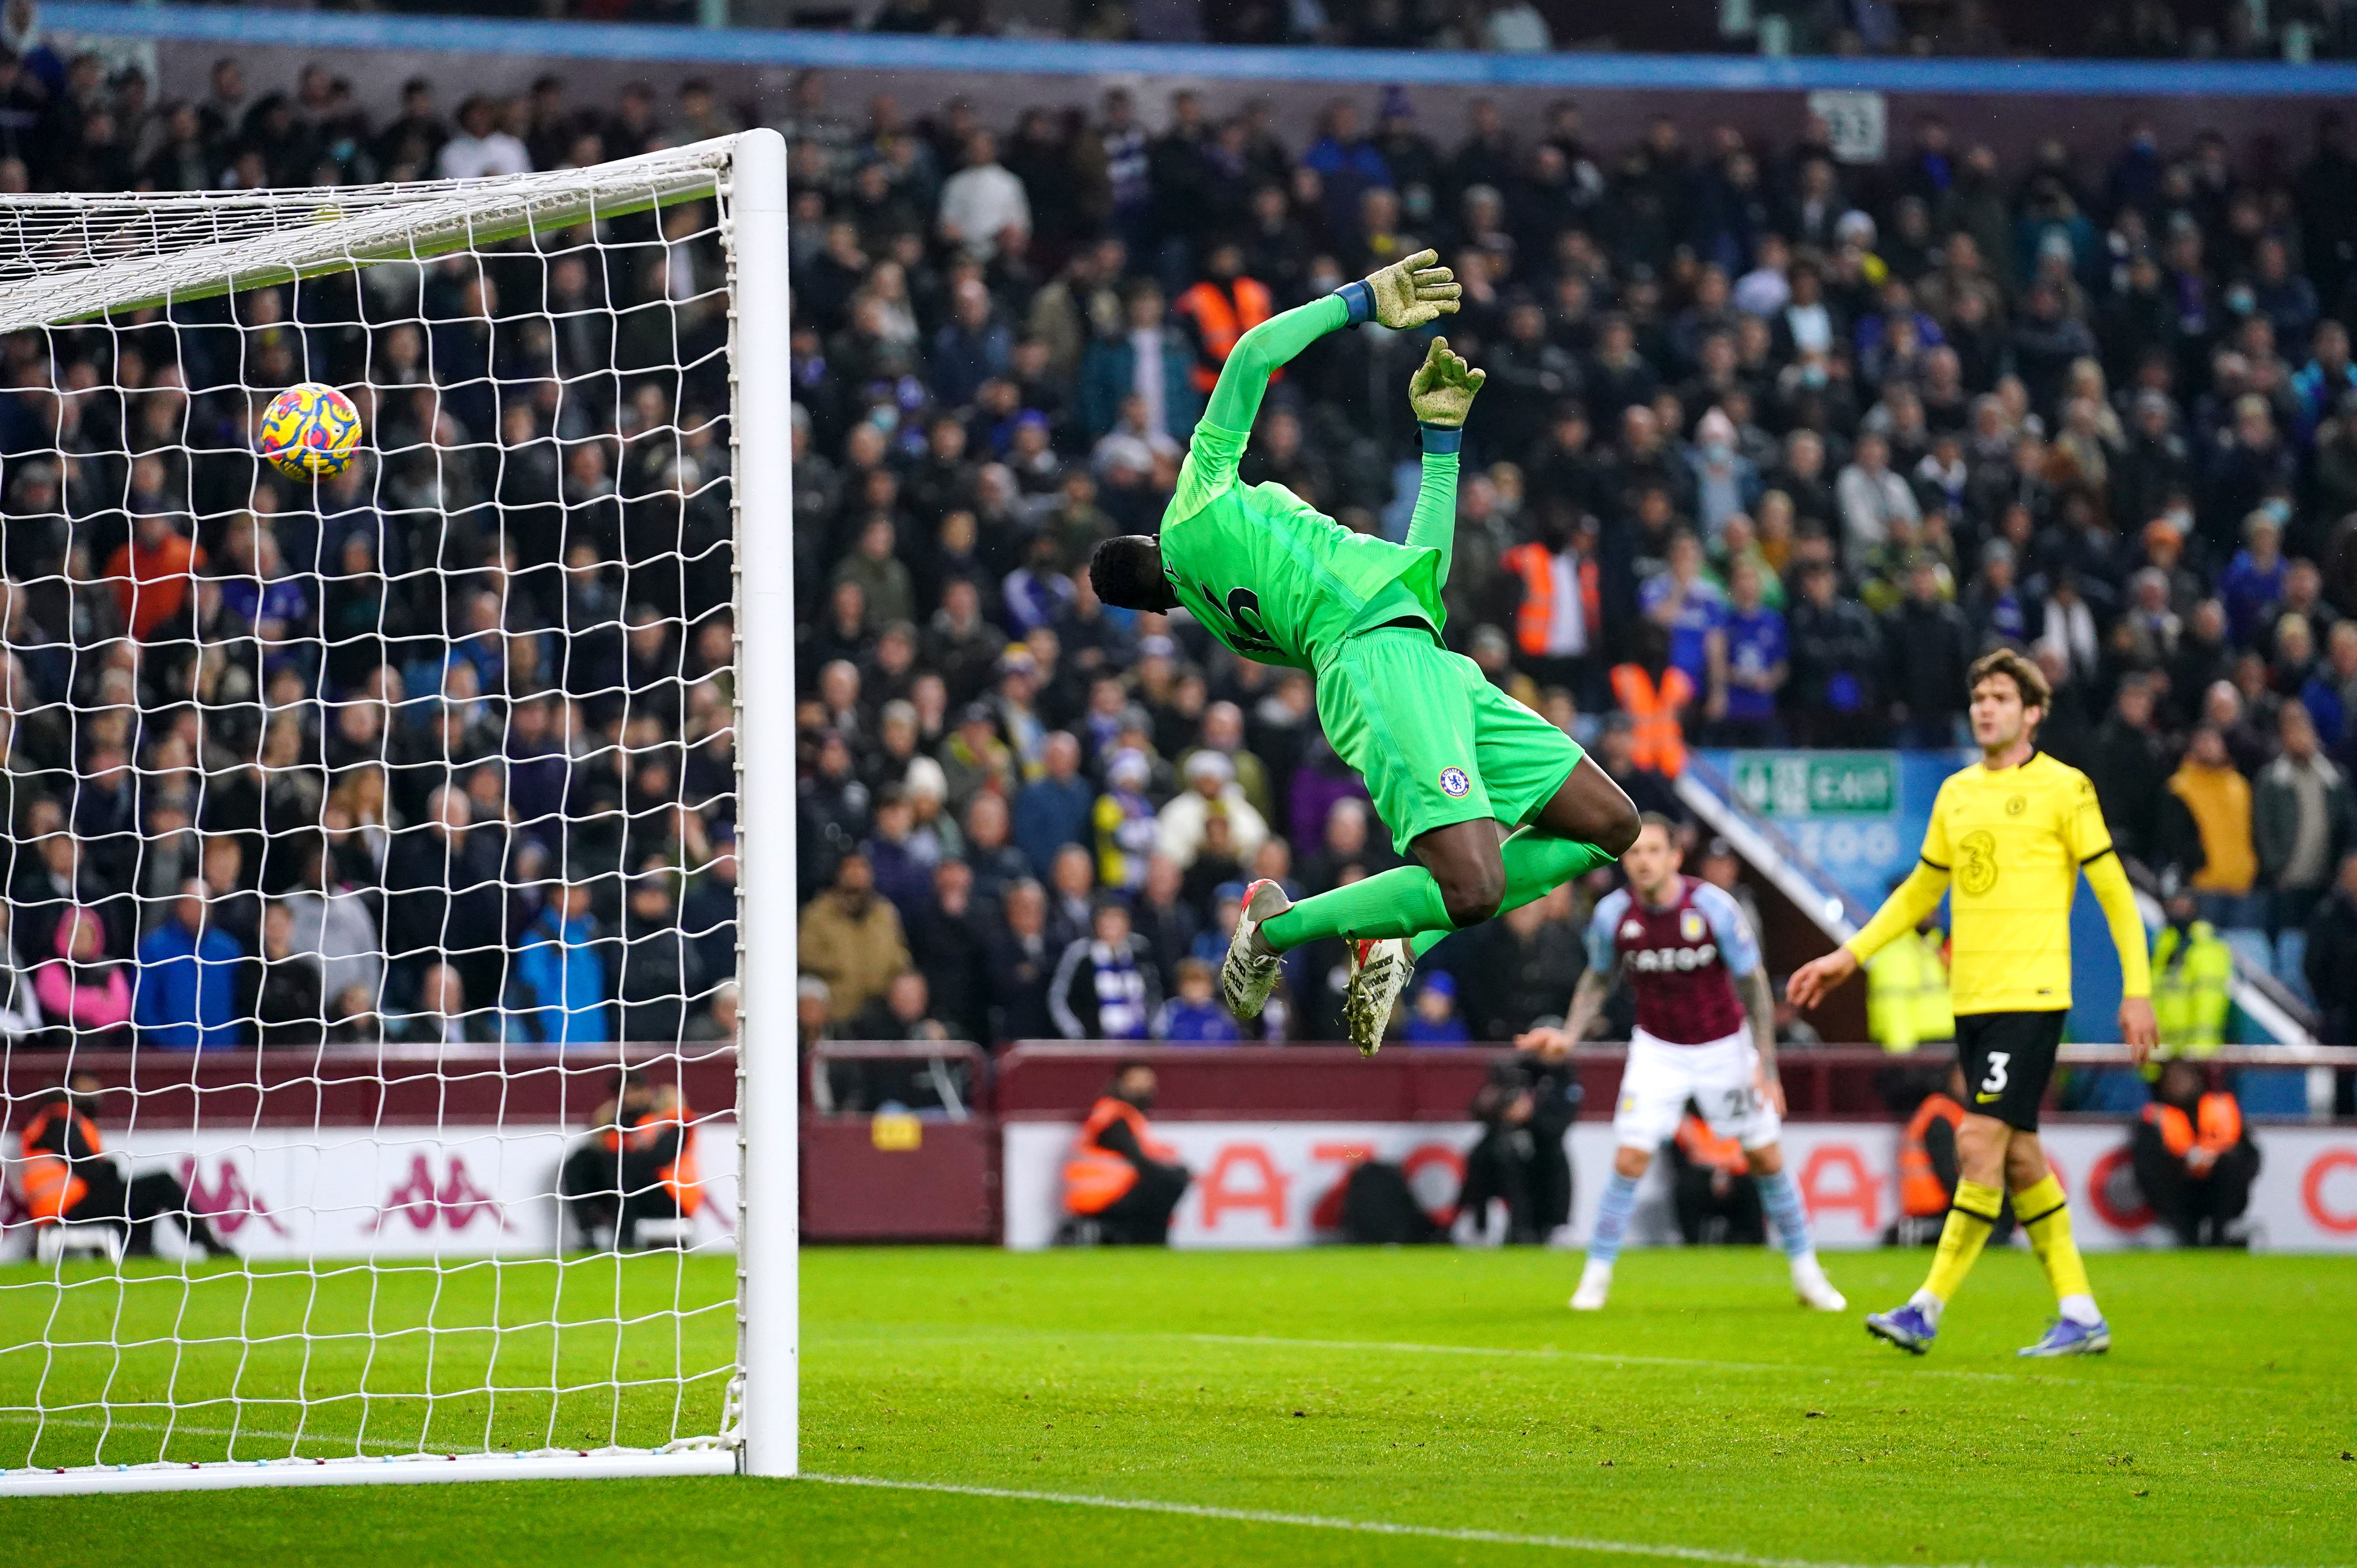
[1994, 1084]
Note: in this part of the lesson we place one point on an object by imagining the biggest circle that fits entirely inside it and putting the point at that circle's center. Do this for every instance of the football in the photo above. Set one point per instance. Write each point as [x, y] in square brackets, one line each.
[310, 432]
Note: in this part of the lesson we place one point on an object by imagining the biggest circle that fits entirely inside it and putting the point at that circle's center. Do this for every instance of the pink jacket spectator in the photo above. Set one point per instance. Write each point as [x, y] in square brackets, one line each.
[82, 987]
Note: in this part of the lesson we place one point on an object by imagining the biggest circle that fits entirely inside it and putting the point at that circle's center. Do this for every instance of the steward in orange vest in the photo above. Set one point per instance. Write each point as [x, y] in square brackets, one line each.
[68, 1176]
[1711, 1187]
[1121, 1183]
[1654, 693]
[1928, 1166]
[1222, 309]
[2193, 1158]
[1559, 624]
[638, 1164]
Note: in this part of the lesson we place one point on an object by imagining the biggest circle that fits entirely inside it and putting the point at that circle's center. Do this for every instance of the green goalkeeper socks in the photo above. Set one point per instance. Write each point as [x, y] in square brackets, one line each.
[1406, 902]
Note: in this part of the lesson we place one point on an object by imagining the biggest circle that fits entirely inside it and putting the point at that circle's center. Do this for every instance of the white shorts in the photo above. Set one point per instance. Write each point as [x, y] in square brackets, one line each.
[1719, 1078]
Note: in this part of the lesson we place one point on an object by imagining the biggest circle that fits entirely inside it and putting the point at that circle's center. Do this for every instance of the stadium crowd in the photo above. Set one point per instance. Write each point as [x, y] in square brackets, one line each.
[1771, 447]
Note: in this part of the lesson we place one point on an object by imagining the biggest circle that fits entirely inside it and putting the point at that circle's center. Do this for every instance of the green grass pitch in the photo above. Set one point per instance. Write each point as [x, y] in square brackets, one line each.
[1343, 1406]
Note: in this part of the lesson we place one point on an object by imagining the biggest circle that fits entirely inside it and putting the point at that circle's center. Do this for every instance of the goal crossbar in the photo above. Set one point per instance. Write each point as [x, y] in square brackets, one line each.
[69, 257]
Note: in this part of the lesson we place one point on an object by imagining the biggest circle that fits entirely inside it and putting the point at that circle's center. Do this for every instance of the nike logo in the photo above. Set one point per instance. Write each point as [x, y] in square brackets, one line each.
[1985, 1098]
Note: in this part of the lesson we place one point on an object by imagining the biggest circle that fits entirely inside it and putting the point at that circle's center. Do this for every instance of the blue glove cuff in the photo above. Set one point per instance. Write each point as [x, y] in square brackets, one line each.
[1441, 438]
[1359, 298]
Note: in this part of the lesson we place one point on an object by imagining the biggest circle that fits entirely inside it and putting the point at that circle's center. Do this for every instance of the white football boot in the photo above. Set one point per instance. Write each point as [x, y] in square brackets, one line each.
[1809, 1282]
[1595, 1286]
[1252, 968]
[1379, 970]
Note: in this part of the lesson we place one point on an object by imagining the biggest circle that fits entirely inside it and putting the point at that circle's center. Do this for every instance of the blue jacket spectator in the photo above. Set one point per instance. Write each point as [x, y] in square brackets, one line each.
[562, 996]
[1053, 811]
[185, 995]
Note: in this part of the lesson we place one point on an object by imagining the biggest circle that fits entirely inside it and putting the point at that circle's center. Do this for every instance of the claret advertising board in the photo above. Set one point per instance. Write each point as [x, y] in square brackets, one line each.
[1279, 1184]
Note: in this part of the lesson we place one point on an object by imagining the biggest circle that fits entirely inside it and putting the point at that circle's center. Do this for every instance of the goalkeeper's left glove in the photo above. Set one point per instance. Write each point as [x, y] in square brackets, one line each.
[1442, 390]
[1413, 292]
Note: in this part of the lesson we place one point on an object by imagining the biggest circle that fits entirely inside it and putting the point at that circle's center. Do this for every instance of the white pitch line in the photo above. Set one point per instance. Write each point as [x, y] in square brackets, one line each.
[1356, 1526]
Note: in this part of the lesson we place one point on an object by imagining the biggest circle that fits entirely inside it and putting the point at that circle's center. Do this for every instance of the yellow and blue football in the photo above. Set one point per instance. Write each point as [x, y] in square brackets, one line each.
[310, 432]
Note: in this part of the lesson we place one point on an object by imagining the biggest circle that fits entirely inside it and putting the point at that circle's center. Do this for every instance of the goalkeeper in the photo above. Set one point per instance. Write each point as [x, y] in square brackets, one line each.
[1496, 805]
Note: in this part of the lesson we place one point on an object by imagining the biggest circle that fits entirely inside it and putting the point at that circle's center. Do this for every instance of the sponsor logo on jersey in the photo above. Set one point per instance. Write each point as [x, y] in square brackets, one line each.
[1660, 960]
[1454, 783]
[1690, 925]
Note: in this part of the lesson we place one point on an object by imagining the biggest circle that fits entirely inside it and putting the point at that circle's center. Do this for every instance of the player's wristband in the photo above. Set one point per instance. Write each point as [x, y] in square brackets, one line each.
[1359, 299]
[1441, 439]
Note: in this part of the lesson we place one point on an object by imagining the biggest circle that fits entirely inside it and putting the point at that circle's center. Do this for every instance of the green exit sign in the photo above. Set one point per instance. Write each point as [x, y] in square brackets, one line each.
[1818, 783]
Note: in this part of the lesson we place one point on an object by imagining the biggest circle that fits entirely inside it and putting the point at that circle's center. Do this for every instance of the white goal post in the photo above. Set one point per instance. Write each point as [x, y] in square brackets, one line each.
[537, 886]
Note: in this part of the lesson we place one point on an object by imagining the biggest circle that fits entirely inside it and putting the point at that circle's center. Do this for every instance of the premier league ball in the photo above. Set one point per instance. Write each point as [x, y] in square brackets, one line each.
[310, 432]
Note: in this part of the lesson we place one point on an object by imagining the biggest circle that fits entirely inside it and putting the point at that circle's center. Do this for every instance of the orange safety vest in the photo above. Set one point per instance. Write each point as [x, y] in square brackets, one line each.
[1922, 1194]
[52, 1189]
[680, 1178]
[1221, 321]
[1705, 1147]
[1535, 564]
[1657, 739]
[2216, 1126]
[1095, 1179]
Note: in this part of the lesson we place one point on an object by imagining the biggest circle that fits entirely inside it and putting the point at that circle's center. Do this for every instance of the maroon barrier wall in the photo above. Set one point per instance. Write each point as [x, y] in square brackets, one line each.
[1402, 1083]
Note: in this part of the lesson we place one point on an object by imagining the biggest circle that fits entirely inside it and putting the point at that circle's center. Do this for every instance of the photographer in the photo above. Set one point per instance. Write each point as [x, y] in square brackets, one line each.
[1524, 1110]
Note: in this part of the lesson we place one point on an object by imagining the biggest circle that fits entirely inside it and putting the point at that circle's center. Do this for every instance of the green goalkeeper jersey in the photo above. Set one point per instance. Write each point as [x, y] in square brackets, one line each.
[1270, 575]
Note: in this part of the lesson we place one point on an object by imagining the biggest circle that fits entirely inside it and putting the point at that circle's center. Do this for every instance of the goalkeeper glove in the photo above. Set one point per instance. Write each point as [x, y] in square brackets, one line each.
[1442, 390]
[1412, 292]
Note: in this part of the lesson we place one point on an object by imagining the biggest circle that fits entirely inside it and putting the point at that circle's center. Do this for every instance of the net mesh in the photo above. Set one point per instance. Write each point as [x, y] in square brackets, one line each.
[370, 872]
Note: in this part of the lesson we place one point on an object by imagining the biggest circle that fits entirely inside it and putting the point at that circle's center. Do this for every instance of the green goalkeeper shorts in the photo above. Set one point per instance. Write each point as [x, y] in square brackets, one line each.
[1436, 742]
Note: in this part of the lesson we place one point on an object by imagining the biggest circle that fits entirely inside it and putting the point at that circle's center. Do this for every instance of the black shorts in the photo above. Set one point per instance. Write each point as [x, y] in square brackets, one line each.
[2007, 1058]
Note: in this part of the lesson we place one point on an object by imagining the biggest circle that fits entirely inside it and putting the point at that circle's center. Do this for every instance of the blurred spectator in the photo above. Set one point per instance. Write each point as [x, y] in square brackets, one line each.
[290, 1008]
[851, 938]
[1211, 792]
[2221, 859]
[1432, 1017]
[186, 996]
[1104, 986]
[1522, 962]
[562, 996]
[2302, 823]
[82, 990]
[2194, 1161]
[1195, 1014]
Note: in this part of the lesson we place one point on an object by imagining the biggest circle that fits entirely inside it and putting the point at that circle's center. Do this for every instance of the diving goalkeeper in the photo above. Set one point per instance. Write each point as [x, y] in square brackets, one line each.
[2009, 836]
[1496, 805]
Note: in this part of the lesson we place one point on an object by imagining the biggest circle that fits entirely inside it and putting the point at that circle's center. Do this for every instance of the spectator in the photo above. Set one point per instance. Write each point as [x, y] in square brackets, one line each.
[1520, 965]
[1432, 1017]
[1022, 967]
[1758, 662]
[1211, 792]
[82, 990]
[2301, 821]
[1877, 506]
[481, 148]
[2218, 800]
[2194, 1161]
[1929, 647]
[1524, 1109]
[1194, 1015]
[561, 995]
[290, 1008]
[1838, 661]
[441, 1015]
[1054, 810]
[1104, 986]
[903, 1012]
[851, 938]
[2125, 766]
[661, 973]
[985, 210]
[949, 945]
[186, 996]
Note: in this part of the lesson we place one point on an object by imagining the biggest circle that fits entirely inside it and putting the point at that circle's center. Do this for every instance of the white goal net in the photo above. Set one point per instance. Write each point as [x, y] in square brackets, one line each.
[379, 847]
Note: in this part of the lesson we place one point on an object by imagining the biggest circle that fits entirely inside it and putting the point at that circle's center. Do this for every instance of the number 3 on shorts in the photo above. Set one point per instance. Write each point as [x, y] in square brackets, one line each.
[1995, 1080]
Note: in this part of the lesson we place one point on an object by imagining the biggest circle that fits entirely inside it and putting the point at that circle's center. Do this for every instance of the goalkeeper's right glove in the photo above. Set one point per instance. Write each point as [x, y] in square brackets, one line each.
[1441, 393]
